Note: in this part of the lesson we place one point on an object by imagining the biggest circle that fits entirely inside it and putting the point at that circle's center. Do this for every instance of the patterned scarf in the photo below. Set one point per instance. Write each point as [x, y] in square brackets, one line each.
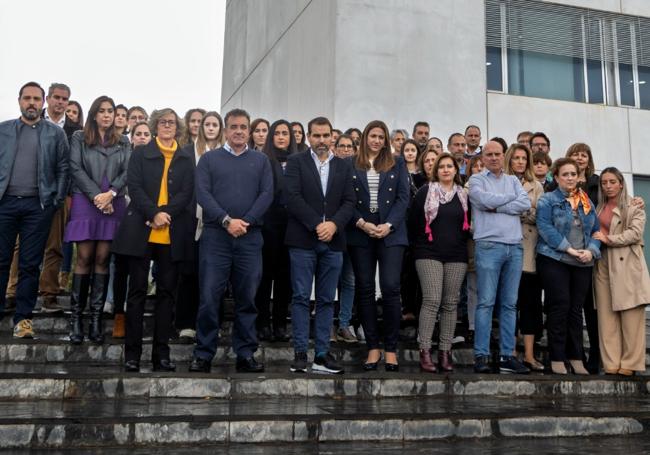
[437, 196]
[576, 197]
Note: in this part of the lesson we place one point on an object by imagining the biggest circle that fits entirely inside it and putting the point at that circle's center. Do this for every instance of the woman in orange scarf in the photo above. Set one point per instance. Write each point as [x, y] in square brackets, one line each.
[566, 220]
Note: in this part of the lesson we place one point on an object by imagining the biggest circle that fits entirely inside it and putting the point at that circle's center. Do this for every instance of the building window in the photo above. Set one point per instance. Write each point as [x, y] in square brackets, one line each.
[546, 50]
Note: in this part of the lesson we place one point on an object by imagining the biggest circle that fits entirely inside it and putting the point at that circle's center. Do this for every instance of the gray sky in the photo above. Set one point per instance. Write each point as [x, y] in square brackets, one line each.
[155, 53]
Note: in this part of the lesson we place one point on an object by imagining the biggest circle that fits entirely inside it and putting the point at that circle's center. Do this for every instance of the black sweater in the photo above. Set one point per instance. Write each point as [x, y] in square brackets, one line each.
[449, 240]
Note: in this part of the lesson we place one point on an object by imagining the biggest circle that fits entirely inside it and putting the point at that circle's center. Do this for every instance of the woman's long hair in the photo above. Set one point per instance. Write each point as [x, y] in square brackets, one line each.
[186, 138]
[269, 147]
[91, 130]
[582, 147]
[384, 160]
[254, 124]
[201, 140]
[529, 175]
[621, 200]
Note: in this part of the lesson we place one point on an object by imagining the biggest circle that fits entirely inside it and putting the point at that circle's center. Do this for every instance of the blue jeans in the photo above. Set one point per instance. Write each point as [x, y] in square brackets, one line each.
[498, 271]
[222, 258]
[23, 216]
[346, 292]
[325, 265]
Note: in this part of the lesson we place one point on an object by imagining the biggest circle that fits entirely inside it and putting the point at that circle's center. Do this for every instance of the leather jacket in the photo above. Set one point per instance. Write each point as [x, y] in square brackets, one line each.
[53, 160]
[89, 165]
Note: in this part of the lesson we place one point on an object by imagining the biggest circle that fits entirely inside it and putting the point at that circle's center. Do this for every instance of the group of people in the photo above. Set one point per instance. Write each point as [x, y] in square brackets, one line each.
[276, 213]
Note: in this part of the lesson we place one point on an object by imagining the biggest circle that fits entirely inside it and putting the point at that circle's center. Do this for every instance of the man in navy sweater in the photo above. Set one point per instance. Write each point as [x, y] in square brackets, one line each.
[320, 202]
[234, 187]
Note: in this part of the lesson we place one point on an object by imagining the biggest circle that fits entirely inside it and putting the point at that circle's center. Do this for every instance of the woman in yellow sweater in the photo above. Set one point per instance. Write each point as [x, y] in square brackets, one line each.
[155, 228]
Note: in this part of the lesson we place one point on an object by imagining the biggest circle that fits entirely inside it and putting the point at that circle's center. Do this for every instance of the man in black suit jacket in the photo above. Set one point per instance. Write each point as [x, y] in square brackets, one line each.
[320, 202]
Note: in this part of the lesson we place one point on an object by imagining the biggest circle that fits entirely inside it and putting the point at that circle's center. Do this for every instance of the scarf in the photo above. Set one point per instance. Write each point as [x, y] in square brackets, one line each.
[577, 197]
[437, 196]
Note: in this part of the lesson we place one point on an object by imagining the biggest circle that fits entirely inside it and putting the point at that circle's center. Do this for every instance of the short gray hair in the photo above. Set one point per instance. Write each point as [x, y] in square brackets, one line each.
[58, 85]
[160, 113]
[396, 132]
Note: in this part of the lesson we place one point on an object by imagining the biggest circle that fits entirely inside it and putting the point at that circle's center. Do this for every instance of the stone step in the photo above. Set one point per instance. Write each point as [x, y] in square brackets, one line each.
[63, 381]
[629, 444]
[145, 422]
[57, 348]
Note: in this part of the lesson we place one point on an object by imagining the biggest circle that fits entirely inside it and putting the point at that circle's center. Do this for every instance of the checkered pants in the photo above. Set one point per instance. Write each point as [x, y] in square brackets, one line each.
[441, 284]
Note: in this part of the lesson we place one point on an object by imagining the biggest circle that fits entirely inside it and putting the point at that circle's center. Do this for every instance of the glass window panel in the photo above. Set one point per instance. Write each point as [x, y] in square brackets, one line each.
[545, 75]
[642, 189]
[595, 81]
[644, 87]
[493, 67]
[626, 77]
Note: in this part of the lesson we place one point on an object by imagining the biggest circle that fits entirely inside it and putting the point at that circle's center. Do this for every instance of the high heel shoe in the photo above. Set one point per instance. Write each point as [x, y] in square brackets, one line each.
[372, 366]
[578, 367]
[535, 365]
[390, 366]
[558, 368]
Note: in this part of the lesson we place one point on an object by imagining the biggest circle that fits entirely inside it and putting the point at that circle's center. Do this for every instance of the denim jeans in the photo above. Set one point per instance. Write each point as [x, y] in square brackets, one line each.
[222, 258]
[346, 292]
[325, 265]
[498, 271]
[23, 216]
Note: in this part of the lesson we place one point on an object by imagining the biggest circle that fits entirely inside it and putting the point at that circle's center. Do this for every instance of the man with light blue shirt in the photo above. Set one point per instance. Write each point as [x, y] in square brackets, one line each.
[320, 202]
[498, 200]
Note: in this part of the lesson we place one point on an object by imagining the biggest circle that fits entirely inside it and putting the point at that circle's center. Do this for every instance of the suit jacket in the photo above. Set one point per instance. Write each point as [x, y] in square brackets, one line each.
[393, 198]
[306, 205]
[143, 179]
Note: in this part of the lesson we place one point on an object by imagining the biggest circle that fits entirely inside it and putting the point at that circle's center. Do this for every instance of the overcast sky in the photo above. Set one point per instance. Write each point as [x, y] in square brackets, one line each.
[155, 53]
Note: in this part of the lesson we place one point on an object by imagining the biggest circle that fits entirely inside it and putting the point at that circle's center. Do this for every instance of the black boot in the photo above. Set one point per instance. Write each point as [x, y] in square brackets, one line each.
[97, 299]
[78, 299]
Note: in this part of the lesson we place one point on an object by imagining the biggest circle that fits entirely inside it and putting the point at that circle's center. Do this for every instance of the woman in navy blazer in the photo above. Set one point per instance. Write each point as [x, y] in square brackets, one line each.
[378, 234]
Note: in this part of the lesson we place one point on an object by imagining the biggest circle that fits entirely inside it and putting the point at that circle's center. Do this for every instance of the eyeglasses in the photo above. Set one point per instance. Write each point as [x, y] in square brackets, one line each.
[345, 146]
[166, 122]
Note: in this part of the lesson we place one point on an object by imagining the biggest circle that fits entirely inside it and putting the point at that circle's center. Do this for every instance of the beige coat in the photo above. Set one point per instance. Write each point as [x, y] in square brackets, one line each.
[528, 226]
[628, 272]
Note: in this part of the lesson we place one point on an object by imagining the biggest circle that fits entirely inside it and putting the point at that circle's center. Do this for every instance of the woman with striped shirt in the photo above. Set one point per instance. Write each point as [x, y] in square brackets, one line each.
[377, 235]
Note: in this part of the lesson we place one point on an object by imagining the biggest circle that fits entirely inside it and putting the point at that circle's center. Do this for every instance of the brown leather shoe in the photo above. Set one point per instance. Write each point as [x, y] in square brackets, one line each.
[444, 361]
[426, 363]
[118, 326]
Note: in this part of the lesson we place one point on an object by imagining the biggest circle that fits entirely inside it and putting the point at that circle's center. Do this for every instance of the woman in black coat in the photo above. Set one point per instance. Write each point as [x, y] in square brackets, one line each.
[280, 143]
[161, 185]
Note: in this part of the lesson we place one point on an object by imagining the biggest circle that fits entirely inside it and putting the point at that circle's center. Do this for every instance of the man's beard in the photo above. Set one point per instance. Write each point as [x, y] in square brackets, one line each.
[30, 114]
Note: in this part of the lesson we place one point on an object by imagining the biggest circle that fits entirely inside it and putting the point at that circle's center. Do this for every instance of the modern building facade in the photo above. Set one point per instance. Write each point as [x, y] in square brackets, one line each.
[578, 70]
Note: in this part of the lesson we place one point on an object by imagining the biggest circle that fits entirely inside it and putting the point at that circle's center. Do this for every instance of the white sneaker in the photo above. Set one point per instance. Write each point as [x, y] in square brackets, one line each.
[458, 339]
[360, 335]
[108, 307]
[187, 333]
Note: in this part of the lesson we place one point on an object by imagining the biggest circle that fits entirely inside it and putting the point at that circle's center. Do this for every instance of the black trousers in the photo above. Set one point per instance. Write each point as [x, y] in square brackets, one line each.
[364, 262]
[120, 282]
[275, 276]
[165, 286]
[566, 288]
[410, 286]
[187, 297]
[529, 305]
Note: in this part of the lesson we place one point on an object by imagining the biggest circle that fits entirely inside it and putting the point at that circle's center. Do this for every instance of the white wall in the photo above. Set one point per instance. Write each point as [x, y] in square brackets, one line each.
[278, 60]
[632, 7]
[407, 60]
[604, 128]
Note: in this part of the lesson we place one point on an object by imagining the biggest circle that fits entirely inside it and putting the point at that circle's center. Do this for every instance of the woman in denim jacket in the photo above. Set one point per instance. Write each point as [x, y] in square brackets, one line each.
[566, 220]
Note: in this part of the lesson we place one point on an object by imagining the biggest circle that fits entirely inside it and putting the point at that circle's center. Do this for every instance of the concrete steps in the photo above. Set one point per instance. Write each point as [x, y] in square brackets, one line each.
[57, 396]
[143, 422]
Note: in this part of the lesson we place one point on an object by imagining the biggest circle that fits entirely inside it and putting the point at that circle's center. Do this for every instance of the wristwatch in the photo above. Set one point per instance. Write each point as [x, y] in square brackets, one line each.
[113, 193]
[226, 222]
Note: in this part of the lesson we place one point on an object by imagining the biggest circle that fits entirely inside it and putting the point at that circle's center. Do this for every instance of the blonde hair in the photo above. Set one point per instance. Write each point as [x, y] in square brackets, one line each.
[529, 175]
